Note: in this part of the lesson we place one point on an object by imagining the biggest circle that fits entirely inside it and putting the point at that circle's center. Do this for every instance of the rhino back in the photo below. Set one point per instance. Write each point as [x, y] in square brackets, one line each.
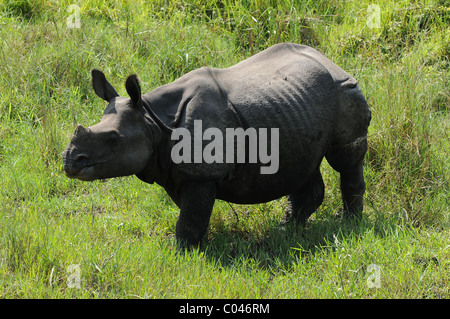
[283, 85]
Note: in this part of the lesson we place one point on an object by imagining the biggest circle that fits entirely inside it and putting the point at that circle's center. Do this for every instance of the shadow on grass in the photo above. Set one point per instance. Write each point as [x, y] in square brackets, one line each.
[281, 246]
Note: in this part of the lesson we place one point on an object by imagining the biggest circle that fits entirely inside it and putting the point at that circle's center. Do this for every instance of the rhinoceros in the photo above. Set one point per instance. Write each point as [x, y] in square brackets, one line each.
[313, 108]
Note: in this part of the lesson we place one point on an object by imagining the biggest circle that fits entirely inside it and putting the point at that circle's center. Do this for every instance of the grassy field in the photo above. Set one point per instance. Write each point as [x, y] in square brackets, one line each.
[117, 235]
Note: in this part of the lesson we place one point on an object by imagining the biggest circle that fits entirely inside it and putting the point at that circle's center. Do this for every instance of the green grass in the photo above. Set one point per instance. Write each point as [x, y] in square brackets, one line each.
[121, 231]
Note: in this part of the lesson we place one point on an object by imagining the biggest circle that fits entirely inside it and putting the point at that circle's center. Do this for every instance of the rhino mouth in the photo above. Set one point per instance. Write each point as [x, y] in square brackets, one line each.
[86, 172]
[80, 173]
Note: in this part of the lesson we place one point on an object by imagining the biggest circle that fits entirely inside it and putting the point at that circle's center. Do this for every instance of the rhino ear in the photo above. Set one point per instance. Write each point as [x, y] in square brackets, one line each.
[101, 86]
[134, 90]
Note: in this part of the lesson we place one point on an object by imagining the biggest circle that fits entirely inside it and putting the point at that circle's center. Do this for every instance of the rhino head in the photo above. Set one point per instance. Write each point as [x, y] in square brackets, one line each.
[121, 144]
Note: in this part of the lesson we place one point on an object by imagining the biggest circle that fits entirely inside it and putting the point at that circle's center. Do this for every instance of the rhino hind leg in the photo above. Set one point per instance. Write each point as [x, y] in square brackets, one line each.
[352, 190]
[305, 202]
[347, 159]
[348, 147]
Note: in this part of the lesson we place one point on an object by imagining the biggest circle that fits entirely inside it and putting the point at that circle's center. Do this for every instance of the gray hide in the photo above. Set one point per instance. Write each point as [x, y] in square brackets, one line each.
[317, 107]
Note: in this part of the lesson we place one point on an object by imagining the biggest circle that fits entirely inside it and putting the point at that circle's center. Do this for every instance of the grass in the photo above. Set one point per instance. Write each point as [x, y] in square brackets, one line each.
[121, 231]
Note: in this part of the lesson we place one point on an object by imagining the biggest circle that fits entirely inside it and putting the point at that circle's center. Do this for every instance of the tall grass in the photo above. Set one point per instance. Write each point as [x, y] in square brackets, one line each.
[121, 231]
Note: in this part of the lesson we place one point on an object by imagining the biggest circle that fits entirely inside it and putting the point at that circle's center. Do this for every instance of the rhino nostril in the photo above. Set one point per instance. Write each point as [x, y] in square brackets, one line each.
[81, 158]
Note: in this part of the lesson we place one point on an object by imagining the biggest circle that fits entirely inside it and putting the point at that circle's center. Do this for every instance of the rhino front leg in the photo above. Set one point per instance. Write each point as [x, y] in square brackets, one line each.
[196, 204]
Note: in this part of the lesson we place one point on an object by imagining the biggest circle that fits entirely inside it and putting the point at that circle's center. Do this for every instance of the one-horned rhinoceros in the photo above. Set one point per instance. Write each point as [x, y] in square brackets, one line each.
[310, 106]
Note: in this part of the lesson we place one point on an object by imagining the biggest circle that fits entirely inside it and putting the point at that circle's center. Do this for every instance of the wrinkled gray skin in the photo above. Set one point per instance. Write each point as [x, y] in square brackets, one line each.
[318, 108]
